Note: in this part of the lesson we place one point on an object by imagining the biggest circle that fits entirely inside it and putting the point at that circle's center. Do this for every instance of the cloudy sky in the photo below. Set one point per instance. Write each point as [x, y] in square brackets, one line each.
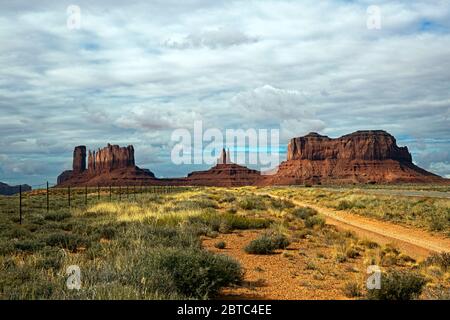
[131, 74]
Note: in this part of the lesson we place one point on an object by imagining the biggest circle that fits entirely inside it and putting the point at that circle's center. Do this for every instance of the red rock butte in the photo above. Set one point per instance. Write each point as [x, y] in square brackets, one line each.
[358, 158]
[361, 157]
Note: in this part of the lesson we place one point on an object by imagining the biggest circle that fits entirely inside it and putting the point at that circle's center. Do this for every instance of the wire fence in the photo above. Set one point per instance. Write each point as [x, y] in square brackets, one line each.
[49, 198]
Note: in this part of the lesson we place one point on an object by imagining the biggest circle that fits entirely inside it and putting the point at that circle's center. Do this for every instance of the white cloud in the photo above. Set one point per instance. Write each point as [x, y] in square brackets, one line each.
[298, 65]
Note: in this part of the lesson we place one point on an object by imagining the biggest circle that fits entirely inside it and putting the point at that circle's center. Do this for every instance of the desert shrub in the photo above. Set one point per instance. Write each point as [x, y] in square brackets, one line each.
[224, 227]
[369, 244]
[280, 241]
[50, 258]
[64, 240]
[232, 210]
[340, 257]
[29, 245]
[313, 221]
[352, 289]
[352, 253]
[220, 245]
[252, 203]
[194, 273]
[227, 197]
[202, 203]
[439, 259]
[233, 221]
[261, 245]
[57, 216]
[6, 248]
[438, 222]
[18, 232]
[281, 204]
[344, 205]
[169, 236]
[303, 233]
[107, 232]
[266, 244]
[398, 285]
[304, 212]
[389, 259]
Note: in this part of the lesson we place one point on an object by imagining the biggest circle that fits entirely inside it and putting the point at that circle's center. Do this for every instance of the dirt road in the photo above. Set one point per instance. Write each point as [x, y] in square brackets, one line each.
[412, 241]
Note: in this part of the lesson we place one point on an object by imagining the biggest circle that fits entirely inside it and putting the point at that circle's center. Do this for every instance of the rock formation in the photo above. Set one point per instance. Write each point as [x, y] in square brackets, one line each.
[360, 157]
[112, 165]
[79, 159]
[361, 145]
[110, 158]
[8, 190]
[224, 174]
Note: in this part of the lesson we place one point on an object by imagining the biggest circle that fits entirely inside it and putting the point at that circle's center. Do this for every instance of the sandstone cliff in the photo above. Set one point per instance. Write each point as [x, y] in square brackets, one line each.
[361, 145]
[110, 158]
[360, 157]
[112, 165]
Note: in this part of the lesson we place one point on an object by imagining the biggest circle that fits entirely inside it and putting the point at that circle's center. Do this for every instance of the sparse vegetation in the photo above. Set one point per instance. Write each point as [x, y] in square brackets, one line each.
[398, 285]
[352, 289]
[150, 246]
[267, 243]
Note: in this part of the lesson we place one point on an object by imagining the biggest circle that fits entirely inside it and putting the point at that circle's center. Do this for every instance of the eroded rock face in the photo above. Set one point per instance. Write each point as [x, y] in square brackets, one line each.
[361, 145]
[109, 166]
[360, 157]
[110, 158]
[64, 176]
[79, 159]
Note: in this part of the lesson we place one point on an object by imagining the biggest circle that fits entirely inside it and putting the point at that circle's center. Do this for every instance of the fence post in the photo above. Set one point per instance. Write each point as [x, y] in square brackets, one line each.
[68, 195]
[120, 193]
[48, 207]
[20, 204]
[134, 192]
[85, 196]
[98, 192]
[110, 193]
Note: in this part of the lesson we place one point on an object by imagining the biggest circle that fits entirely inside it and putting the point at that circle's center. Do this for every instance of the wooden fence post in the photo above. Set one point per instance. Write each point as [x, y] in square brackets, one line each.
[68, 195]
[20, 204]
[48, 207]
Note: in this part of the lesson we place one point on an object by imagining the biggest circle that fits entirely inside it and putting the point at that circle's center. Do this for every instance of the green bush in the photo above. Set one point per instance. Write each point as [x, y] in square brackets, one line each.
[304, 212]
[280, 241]
[64, 240]
[30, 245]
[220, 245]
[262, 245]
[252, 203]
[266, 244]
[281, 204]
[345, 205]
[313, 221]
[57, 216]
[439, 259]
[194, 273]
[398, 285]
